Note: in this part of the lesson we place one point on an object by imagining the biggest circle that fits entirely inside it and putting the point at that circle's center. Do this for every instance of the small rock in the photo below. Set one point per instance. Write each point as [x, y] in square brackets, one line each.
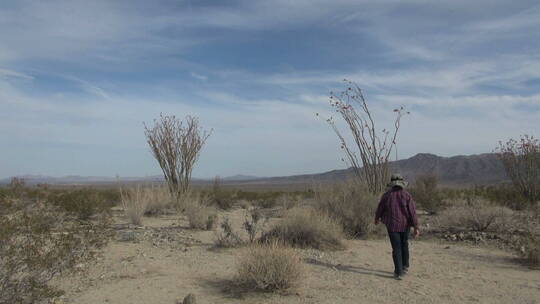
[79, 266]
[189, 299]
[126, 236]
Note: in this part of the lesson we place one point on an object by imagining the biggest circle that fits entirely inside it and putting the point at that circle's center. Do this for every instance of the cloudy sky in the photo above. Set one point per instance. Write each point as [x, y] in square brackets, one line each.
[79, 78]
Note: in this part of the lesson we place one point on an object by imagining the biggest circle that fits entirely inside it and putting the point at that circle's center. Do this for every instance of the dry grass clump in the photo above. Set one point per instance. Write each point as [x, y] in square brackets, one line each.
[475, 214]
[160, 200]
[201, 217]
[287, 201]
[307, 228]
[351, 204]
[269, 267]
[139, 201]
[135, 201]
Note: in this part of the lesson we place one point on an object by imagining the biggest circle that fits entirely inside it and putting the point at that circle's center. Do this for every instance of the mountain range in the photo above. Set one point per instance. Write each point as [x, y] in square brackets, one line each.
[478, 169]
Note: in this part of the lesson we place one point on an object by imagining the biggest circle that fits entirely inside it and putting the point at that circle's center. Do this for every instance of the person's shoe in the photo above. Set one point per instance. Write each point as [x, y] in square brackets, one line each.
[397, 277]
[405, 270]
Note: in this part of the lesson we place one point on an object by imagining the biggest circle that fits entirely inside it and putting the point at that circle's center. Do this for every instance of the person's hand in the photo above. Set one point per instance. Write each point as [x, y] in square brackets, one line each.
[416, 232]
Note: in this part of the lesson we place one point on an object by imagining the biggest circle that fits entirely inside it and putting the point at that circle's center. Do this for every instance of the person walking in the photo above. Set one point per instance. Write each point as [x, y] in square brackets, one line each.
[397, 211]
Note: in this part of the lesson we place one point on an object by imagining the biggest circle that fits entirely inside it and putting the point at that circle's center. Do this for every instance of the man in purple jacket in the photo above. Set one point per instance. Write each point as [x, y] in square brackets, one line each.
[398, 212]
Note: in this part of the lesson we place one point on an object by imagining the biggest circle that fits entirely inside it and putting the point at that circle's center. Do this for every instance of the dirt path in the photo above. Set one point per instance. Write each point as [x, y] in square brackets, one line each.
[440, 273]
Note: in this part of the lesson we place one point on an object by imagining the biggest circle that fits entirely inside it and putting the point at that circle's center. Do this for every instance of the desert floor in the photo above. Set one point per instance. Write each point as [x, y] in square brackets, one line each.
[169, 261]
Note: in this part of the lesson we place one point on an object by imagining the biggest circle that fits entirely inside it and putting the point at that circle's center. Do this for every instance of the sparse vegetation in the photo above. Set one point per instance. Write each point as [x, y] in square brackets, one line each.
[84, 203]
[351, 204]
[200, 216]
[160, 201]
[37, 243]
[135, 201]
[426, 194]
[139, 201]
[307, 228]
[227, 237]
[254, 223]
[475, 214]
[269, 267]
[530, 250]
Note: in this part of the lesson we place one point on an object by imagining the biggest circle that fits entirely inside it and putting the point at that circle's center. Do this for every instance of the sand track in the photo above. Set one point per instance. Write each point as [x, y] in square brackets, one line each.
[132, 273]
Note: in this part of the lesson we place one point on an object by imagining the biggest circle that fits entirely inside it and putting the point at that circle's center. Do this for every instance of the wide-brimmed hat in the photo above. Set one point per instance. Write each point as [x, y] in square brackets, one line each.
[397, 180]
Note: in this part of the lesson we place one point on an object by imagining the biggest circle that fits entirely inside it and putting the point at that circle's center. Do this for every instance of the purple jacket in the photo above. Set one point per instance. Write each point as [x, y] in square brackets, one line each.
[397, 210]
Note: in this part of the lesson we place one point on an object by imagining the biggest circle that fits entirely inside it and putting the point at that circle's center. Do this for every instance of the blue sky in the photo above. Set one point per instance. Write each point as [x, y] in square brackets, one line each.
[78, 79]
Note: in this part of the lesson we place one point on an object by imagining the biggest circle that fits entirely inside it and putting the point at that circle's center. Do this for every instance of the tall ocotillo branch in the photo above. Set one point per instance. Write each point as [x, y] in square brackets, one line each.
[370, 161]
[176, 146]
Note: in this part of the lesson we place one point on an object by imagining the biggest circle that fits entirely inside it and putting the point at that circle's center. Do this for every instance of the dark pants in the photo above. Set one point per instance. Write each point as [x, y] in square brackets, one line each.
[400, 250]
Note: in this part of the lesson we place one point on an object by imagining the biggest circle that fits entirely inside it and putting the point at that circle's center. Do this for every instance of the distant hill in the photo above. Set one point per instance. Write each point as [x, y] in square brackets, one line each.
[457, 170]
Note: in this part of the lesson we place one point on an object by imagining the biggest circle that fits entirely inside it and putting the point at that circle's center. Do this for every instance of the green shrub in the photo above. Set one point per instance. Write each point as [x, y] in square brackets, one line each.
[83, 203]
[426, 194]
[307, 228]
[504, 195]
[269, 267]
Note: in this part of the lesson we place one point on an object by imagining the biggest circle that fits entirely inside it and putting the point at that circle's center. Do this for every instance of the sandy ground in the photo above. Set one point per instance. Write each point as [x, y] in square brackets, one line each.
[141, 272]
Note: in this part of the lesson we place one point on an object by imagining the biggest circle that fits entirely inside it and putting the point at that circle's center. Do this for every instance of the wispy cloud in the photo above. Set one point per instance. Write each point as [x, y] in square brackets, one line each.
[199, 76]
[257, 72]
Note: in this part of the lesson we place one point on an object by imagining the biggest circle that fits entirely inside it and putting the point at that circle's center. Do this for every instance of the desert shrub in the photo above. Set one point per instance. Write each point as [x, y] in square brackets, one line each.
[269, 267]
[287, 201]
[351, 204]
[201, 217]
[38, 242]
[256, 196]
[268, 203]
[530, 250]
[159, 202]
[254, 223]
[139, 201]
[222, 202]
[475, 214]
[219, 197]
[135, 201]
[17, 185]
[504, 195]
[83, 203]
[307, 228]
[227, 237]
[426, 194]
[244, 204]
[521, 160]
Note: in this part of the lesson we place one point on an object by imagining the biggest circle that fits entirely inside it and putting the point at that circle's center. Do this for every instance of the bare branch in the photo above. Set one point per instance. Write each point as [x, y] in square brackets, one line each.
[176, 146]
[371, 162]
